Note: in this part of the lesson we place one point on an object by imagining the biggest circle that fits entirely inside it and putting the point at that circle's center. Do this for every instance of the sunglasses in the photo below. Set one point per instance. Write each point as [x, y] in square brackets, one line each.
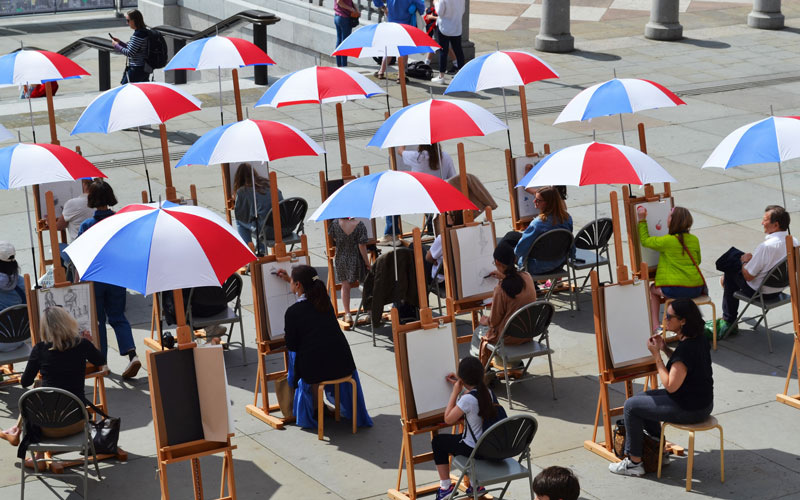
[670, 316]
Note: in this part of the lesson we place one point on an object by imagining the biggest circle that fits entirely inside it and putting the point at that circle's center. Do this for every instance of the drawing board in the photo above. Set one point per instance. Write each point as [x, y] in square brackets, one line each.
[525, 206]
[431, 356]
[657, 213]
[370, 225]
[627, 312]
[278, 295]
[78, 300]
[473, 248]
[62, 191]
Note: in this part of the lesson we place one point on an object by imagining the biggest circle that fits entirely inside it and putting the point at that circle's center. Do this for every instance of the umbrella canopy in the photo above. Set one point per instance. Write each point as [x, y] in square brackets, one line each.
[37, 66]
[249, 140]
[773, 139]
[625, 95]
[500, 69]
[28, 164]
[386, 39]
[392, 193]
[151, 248]
[134, 105]
[218, 52]
[318, 84]
[595, 163]
[435, 120]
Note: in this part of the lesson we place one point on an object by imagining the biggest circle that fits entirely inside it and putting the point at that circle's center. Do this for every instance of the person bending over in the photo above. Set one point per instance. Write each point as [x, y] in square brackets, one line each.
[556, 483]
[678, 274]
[744, 272]
[688, 393]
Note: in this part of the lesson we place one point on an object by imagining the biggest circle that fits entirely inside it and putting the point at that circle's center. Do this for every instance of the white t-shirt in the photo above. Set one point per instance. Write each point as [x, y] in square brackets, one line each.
[75, 212]
[419, 162]
[469, 405]
[436, 253]
[450, 15]
[765, 256]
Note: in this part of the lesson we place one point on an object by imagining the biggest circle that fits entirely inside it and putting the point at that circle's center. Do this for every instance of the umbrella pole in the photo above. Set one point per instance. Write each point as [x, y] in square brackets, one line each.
[324, 146]
[30, 112]
[386, 80]
[596, 235]
[505, 111]
[144, 160]
[30, 234]
[219, 80]
[783, 193]
[394, 251]
[255, 207]
[621, 130]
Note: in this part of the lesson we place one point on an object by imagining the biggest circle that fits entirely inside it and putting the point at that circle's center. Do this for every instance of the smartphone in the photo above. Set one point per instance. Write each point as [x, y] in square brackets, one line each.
[111, 36]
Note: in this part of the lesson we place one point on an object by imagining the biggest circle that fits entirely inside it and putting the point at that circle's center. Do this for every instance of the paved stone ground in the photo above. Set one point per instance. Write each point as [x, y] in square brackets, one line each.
[728, 74]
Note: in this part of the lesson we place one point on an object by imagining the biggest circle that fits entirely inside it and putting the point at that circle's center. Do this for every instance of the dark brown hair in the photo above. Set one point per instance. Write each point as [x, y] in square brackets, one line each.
[313, 287]
[558, 483]
[470, 371]
[553, 205]
[137, 18]
[513, 283]
[244, 177]
[680, 221]
[687, 310]
[778, 214]
[433, 154]
[100, 194]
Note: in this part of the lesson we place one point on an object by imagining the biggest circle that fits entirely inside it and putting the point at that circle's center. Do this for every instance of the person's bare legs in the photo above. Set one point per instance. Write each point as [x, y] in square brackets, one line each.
[346, 285]
[382, 71]
[12, 435]
[655, 306]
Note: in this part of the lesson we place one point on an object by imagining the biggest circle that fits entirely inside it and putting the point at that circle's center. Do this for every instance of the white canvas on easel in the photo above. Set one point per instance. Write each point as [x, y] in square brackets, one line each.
[260, 167]
[62, 192]
[657, 214]
[525, 206]
[431, 356]
[212, 390]
[370, 225]
[473, 249]
[627, 311]
[278, 295]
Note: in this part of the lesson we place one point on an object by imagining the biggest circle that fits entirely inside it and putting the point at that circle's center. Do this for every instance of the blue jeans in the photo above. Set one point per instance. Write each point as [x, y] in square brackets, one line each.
[247, 231]
[110, 303]
[646, 411]
[391, 221]
[682, 292]
[134, 74]
[343, 30]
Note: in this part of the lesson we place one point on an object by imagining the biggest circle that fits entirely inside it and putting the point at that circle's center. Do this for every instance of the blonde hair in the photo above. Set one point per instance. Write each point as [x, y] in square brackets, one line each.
[59, 328]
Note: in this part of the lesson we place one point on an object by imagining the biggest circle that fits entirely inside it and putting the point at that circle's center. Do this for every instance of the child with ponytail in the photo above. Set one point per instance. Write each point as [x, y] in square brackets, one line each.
[472, 400]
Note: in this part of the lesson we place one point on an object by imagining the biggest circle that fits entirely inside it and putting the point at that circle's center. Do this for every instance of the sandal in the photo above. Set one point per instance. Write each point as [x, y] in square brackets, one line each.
[398, 79]
[379, 75]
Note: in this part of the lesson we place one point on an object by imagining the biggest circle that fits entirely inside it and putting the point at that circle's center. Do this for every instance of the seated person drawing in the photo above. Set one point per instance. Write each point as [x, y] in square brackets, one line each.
[688, 393]
[318, 350]
[553, 215]
[744, 272]
[514, 290]
[678, 274]
[61, 358]
[207, 301]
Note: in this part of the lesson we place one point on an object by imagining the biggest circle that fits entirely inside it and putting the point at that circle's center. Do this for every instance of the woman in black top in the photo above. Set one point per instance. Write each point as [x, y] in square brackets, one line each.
[61, 358]
[137, 69]
[688, 393]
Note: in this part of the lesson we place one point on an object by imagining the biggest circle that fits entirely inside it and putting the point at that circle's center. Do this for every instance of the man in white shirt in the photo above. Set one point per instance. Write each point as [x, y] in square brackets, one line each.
[76, 210]
[744, 272]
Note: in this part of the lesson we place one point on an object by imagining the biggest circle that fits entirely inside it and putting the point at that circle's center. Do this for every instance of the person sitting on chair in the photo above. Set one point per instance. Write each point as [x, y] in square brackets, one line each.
[744, 272]
[513, 291]
[688, 393]
[318, 350]
[61, 359]
[12, 285]
[553, 215]
[556, 483]
[678, 274]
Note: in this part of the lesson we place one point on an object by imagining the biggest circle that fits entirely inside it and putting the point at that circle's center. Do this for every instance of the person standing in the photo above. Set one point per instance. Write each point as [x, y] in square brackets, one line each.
[344, 13]
[402, 12]
[137, 69]
[449, 33]
[75, 211]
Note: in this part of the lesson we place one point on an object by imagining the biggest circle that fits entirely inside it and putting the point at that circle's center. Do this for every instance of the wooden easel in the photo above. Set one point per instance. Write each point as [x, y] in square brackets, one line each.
[411, 424]
[607, 373]
[170, 449]
[518, 222]
[96, 374]
[266, 345]
[793, 263]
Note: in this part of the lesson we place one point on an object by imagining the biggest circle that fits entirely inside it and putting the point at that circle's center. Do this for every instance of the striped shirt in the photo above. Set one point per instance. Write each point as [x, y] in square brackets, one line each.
[136, 48]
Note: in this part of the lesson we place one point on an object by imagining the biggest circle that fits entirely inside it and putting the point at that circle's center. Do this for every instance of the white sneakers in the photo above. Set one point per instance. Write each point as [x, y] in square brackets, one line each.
[627, 468]
[437, 79]
[133, 368]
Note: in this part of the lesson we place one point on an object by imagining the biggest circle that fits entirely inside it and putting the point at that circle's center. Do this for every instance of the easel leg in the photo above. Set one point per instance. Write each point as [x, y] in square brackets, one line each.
[227, 476]
[597, 416]
[400, 465]
[162, 478]
[197, 479]
[412, 482]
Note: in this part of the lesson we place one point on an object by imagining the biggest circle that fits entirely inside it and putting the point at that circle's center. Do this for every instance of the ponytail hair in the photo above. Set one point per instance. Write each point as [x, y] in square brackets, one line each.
[470, 371]
[314, 288]
[513, 283]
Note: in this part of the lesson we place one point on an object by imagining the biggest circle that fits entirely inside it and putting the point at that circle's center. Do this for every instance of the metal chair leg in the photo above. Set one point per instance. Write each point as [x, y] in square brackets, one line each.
[550, 362]
[507, 378]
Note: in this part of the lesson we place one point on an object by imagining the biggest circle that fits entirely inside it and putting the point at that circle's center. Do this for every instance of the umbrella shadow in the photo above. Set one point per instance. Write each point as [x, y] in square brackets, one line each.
[180, 138]
[596, 56]
[705, 44]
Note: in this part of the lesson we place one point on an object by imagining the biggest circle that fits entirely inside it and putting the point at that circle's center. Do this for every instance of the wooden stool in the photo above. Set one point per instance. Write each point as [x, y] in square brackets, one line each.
[702, 300]
[706, 425]
[321, 401]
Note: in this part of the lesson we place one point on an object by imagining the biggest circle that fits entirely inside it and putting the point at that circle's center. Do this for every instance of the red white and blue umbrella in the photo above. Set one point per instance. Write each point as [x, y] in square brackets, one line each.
[386, 40]
[435, 120]
[155, 247]
[502, 69]
[27, 66]
[29, 164]
[219, 52]
[249, 140]
[774, 139]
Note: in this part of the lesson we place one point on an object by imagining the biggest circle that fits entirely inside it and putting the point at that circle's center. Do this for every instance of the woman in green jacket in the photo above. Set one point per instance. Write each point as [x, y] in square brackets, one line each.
[678, 274]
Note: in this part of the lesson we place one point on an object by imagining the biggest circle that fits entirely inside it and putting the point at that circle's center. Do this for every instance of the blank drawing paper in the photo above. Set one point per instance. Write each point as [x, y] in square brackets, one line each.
[627, 323]
[473, 249]
[431, 356]
[278, 295]
[657, 213]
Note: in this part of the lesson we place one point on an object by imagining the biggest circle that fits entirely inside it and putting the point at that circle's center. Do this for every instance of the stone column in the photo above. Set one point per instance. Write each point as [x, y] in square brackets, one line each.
[766, 15]
[158, 12]
[664, 23]
[466, 45]
[554, 33]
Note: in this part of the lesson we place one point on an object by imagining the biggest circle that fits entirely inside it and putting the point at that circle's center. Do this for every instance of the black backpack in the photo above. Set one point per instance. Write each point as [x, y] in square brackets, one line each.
[500, 414]
[157, 52]
[419, 70]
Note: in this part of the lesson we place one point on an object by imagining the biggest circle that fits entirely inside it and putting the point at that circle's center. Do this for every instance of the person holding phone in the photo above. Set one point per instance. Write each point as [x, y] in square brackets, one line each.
[137, 69]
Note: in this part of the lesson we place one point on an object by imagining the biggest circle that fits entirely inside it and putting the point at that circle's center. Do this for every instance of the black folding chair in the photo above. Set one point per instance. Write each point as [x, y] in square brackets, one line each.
[292, 213]
[777, 277]
[554, 245]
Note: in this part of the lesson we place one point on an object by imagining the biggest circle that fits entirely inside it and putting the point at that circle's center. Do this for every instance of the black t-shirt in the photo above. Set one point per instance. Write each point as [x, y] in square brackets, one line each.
[62, 369]
[697, 390]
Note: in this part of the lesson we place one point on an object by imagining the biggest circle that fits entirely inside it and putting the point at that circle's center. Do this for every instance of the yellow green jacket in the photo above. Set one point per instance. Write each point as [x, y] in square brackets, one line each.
[675, 267]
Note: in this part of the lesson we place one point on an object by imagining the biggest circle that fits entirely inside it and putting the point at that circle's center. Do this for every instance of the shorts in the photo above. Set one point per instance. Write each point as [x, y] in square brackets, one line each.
[682, 292]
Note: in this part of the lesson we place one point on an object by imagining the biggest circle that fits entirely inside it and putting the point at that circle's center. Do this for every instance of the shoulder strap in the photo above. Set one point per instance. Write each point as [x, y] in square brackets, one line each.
[692, 258]
[98, 410]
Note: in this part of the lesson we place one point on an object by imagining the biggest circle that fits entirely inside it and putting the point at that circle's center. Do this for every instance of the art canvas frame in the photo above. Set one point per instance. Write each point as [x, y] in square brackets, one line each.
[278, 296]
[473, 249]
[77, 299]
[62, 191]
[657, 214]
[525, 207]
[428, 354]
[626, 309]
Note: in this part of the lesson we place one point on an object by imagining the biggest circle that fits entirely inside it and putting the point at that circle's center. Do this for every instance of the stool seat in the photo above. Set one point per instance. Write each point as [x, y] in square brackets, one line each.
[706, 425]
[321, 402]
